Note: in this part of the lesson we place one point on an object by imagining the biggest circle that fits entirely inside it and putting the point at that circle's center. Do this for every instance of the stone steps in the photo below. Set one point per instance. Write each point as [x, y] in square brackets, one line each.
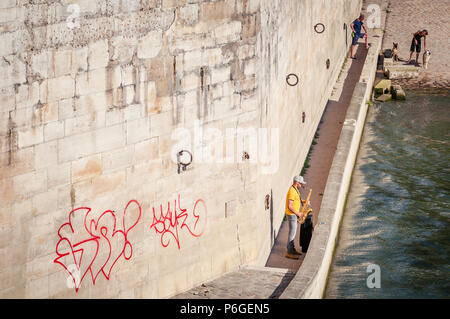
[395, 70]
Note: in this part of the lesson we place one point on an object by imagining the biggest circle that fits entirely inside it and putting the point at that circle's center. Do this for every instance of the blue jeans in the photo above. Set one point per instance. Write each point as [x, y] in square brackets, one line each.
[292, 222]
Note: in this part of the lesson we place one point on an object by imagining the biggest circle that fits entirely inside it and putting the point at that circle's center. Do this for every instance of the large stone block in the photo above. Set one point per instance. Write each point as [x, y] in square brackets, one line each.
[88, 104]
[27, 95]
[398, 93]
[250, 67]
[86, 168]
[138, 130]
[91, 82]
[62, 62]
[384, 98]
[120, 158]
[122, 49]
[104, 184]
[190, 81]
[30, 183]
[84, 123]
[402, 71]
[128, 75]
[383, 87]
[59, 175]
[30, 136]
[76, 146]
[228, 32]
[161, 123]
[133, 112]
[66, 109]
[47, 112]
[146, 94]
[8, 97]
[150, 45]
[13, 71]
[98, 54]
[192, 60]
[220, 75]
[56, 89]
[79, 60]
[146, 150]
[218, 10]
[8, 4]
[249, 26]
[8, 44]
[45, 202]
[109, 138]
[212, 57]
[18, 162]
[246, 51]
[189, 13]
[46, 155]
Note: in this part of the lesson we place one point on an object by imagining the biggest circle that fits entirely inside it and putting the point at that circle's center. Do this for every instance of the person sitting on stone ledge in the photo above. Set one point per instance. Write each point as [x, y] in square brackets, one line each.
[356, 34]
[416, 44]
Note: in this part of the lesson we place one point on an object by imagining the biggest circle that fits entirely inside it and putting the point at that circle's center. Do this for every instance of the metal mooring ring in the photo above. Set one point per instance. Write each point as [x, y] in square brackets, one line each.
[296, 79]
[319, 24]
[180, 163]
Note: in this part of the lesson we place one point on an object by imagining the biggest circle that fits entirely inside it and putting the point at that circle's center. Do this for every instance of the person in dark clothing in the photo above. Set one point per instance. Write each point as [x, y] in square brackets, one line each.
[416, 44]
[356, 34]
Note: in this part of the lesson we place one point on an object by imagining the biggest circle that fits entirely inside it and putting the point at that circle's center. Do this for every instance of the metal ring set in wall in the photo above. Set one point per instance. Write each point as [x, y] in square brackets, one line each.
[292, 83]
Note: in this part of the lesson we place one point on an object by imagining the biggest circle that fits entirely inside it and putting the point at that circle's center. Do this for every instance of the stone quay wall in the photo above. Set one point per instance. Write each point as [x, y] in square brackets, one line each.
[97, 99]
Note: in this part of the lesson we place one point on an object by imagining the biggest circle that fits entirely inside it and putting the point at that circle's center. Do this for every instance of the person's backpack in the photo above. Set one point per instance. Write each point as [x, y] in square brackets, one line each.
[306, 230]
[388, 53]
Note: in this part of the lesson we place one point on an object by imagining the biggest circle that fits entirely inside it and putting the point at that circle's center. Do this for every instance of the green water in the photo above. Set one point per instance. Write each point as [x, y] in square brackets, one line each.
[397, 214]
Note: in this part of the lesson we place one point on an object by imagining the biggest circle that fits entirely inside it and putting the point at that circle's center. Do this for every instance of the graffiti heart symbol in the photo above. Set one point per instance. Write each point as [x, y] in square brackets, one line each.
[95, 245]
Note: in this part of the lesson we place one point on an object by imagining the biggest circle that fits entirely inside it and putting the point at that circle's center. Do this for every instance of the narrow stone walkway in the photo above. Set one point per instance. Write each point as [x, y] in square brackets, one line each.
[322, 154]
[260, 283]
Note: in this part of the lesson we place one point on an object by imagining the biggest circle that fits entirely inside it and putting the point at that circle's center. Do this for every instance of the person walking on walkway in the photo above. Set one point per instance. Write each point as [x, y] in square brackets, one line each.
[416, 44]
[356, 35]
[293, 204]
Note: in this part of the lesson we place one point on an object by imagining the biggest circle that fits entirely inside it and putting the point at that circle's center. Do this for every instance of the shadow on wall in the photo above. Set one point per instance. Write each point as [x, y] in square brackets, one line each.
[272, 231]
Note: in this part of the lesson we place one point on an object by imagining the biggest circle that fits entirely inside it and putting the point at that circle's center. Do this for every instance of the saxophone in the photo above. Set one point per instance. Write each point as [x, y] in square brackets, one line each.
[305, 211]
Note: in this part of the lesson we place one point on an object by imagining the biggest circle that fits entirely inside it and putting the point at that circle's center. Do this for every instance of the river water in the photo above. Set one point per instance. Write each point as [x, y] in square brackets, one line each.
[397, 214]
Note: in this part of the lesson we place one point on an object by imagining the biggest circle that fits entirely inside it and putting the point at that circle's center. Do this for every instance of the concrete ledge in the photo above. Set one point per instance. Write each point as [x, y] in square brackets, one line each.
[401, 72]
[311, 278]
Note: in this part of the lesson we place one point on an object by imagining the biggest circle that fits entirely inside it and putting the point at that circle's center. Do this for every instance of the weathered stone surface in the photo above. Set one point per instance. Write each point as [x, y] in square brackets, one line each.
[90, 112]
[261, 283]
[397, 92]
[384, 98]
[383, 87]
[150, 45]
[402, 71]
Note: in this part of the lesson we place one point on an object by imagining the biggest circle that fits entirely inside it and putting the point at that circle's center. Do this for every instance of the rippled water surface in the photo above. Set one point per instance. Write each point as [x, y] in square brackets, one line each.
[397, 214]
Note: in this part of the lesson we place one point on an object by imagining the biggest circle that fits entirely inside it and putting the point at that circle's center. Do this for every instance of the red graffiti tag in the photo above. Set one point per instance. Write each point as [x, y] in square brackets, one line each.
[95, 245]
[173, 221]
